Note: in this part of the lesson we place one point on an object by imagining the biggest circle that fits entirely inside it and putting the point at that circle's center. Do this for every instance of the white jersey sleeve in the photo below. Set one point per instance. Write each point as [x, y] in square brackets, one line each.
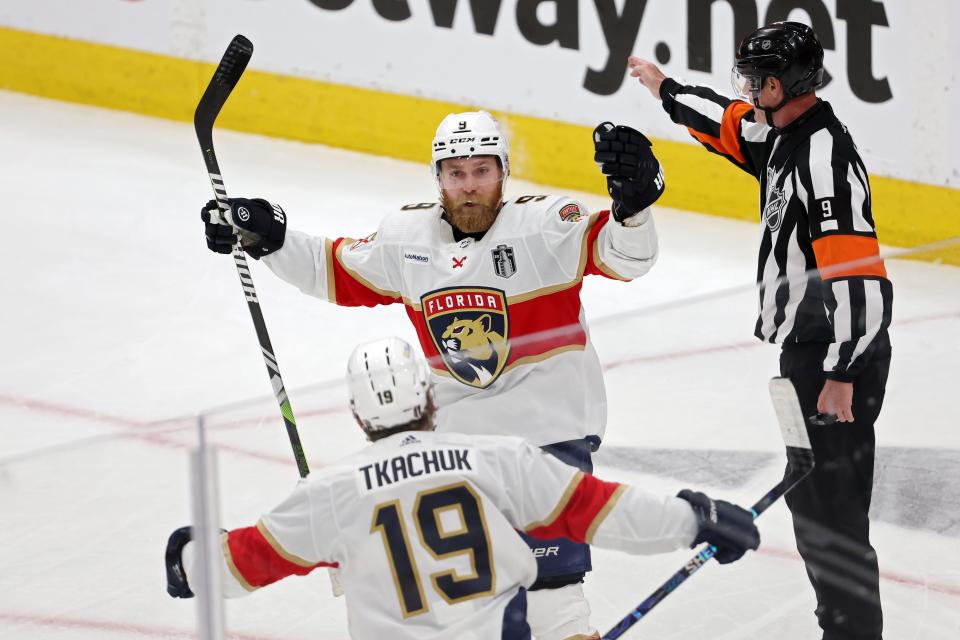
[344, 271]
[546, 498]
[610, 249]
[293, 539]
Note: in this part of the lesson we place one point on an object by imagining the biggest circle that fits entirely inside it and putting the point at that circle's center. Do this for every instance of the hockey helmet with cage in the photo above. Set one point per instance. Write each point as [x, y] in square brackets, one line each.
[389, 385]
[787, 51]
[472, 133]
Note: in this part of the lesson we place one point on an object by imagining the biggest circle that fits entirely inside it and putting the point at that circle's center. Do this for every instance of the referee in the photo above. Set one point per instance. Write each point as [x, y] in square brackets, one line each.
[824, 293]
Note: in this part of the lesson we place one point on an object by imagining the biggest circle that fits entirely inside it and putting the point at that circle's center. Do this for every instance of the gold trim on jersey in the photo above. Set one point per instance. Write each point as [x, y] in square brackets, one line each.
[585, 246]
[452, 573]
[603, 266]
[439, 511]
[331, 279]
[602, 514]
[278, 548]
[356, 276]
[561, 504]
[390, 560]
[228, 557]
[538, 293]
[516, 299]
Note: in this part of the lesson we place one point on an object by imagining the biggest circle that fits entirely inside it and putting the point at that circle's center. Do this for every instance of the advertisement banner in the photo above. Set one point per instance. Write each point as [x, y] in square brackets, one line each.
[891, 68]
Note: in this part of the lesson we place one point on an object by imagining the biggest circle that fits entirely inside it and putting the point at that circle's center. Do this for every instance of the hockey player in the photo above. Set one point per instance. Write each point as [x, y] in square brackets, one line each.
[422, 524]
[816, 214]
[493, 290]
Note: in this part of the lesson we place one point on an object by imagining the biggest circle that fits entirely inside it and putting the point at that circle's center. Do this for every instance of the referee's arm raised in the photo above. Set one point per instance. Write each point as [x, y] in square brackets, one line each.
[723, 126]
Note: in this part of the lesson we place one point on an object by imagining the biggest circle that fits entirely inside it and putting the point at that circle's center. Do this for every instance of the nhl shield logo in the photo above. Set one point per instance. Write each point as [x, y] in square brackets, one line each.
[776, 204]
[469, 326]
[504, 262]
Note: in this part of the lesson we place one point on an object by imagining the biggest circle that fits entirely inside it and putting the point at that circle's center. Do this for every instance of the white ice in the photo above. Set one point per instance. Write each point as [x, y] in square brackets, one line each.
[118, 325]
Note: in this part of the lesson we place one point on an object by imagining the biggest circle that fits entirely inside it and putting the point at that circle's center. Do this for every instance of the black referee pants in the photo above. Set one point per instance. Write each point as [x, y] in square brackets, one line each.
[830, 507]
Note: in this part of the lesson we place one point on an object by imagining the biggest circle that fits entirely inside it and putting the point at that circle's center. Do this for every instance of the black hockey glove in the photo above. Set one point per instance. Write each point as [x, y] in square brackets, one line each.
[177, 585]
[634, 178]
[261, 226]
[724, 525]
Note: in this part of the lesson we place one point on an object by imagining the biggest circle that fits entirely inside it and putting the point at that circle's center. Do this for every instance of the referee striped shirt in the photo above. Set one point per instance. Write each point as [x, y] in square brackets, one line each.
[820, 275]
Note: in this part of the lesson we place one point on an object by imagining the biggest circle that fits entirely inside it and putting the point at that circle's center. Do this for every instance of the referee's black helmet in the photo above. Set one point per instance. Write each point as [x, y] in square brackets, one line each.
[788, 51]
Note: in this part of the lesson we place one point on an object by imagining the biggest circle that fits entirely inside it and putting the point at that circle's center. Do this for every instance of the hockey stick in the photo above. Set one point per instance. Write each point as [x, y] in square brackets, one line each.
[224, 79]
[799, 464]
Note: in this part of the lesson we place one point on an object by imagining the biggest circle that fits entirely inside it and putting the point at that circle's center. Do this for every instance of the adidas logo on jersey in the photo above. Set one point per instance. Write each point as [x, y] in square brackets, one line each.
[411, 439]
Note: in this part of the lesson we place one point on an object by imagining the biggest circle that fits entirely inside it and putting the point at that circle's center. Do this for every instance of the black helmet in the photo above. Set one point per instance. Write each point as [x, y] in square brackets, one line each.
[788, 51]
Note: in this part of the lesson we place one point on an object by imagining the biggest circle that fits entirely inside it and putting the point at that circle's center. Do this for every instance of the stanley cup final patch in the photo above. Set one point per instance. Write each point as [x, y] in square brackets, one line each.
[504, 262]
[469, 326]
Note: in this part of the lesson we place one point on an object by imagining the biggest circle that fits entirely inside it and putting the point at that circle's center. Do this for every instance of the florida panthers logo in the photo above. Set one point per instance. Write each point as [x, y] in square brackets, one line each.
[469, 327]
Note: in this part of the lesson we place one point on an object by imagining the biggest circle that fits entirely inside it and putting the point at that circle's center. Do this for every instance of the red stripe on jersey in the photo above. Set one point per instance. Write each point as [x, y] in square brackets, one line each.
[350, 291]
[538, 325]
[589, 498]
[546, 323]
[593, 260]
[258, 562]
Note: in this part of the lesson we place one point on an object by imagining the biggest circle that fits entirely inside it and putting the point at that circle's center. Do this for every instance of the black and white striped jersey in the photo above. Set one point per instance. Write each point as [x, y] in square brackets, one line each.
[820, 275]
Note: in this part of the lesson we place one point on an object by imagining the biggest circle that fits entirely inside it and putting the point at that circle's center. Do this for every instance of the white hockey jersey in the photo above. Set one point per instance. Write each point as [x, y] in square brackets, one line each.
[422, 526]
[499, 318]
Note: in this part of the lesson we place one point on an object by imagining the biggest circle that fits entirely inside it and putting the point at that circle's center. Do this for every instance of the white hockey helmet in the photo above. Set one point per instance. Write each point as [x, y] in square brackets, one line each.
[472, 133]
[389, 384]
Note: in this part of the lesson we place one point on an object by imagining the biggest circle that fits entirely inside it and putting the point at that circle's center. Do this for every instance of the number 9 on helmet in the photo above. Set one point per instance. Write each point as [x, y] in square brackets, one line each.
[390, 388]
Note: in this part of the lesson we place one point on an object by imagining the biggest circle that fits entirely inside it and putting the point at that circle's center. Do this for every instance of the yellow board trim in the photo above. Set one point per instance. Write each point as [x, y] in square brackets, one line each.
[908, 214]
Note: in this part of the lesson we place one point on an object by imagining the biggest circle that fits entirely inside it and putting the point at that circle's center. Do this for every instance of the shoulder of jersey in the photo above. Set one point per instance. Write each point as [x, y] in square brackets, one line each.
[478, 441]
[563, 207]
[419, 208]
[409, 216]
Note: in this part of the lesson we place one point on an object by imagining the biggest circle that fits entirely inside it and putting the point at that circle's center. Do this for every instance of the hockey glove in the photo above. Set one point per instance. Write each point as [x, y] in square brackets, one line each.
[724, 525]
[220, 235]
[634, 177]
[177, 585]
[261, 226]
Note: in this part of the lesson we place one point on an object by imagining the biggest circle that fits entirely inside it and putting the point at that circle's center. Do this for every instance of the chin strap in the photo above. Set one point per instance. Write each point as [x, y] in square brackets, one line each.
[769, 111]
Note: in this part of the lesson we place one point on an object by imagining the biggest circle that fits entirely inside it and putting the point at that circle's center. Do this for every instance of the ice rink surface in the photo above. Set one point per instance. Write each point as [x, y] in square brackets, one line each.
[119, 326]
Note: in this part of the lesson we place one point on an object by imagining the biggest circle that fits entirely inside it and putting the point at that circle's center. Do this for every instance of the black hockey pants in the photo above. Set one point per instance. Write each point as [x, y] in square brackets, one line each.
[830, 507]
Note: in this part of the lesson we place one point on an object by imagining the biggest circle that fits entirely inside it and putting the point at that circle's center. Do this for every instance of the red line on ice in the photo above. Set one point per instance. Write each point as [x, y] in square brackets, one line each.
[890, 576]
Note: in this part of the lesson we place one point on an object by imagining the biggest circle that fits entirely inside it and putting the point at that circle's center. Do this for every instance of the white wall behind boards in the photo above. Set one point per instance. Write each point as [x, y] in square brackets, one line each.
[892, 62]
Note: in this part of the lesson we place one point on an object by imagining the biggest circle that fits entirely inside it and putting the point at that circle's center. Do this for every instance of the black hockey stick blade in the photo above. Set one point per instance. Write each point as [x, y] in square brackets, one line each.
[225, 78]
[799, 464]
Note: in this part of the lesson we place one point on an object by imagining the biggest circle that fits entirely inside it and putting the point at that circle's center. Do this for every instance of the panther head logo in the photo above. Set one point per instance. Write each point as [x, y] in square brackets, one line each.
[469, 328]
[472, 342]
